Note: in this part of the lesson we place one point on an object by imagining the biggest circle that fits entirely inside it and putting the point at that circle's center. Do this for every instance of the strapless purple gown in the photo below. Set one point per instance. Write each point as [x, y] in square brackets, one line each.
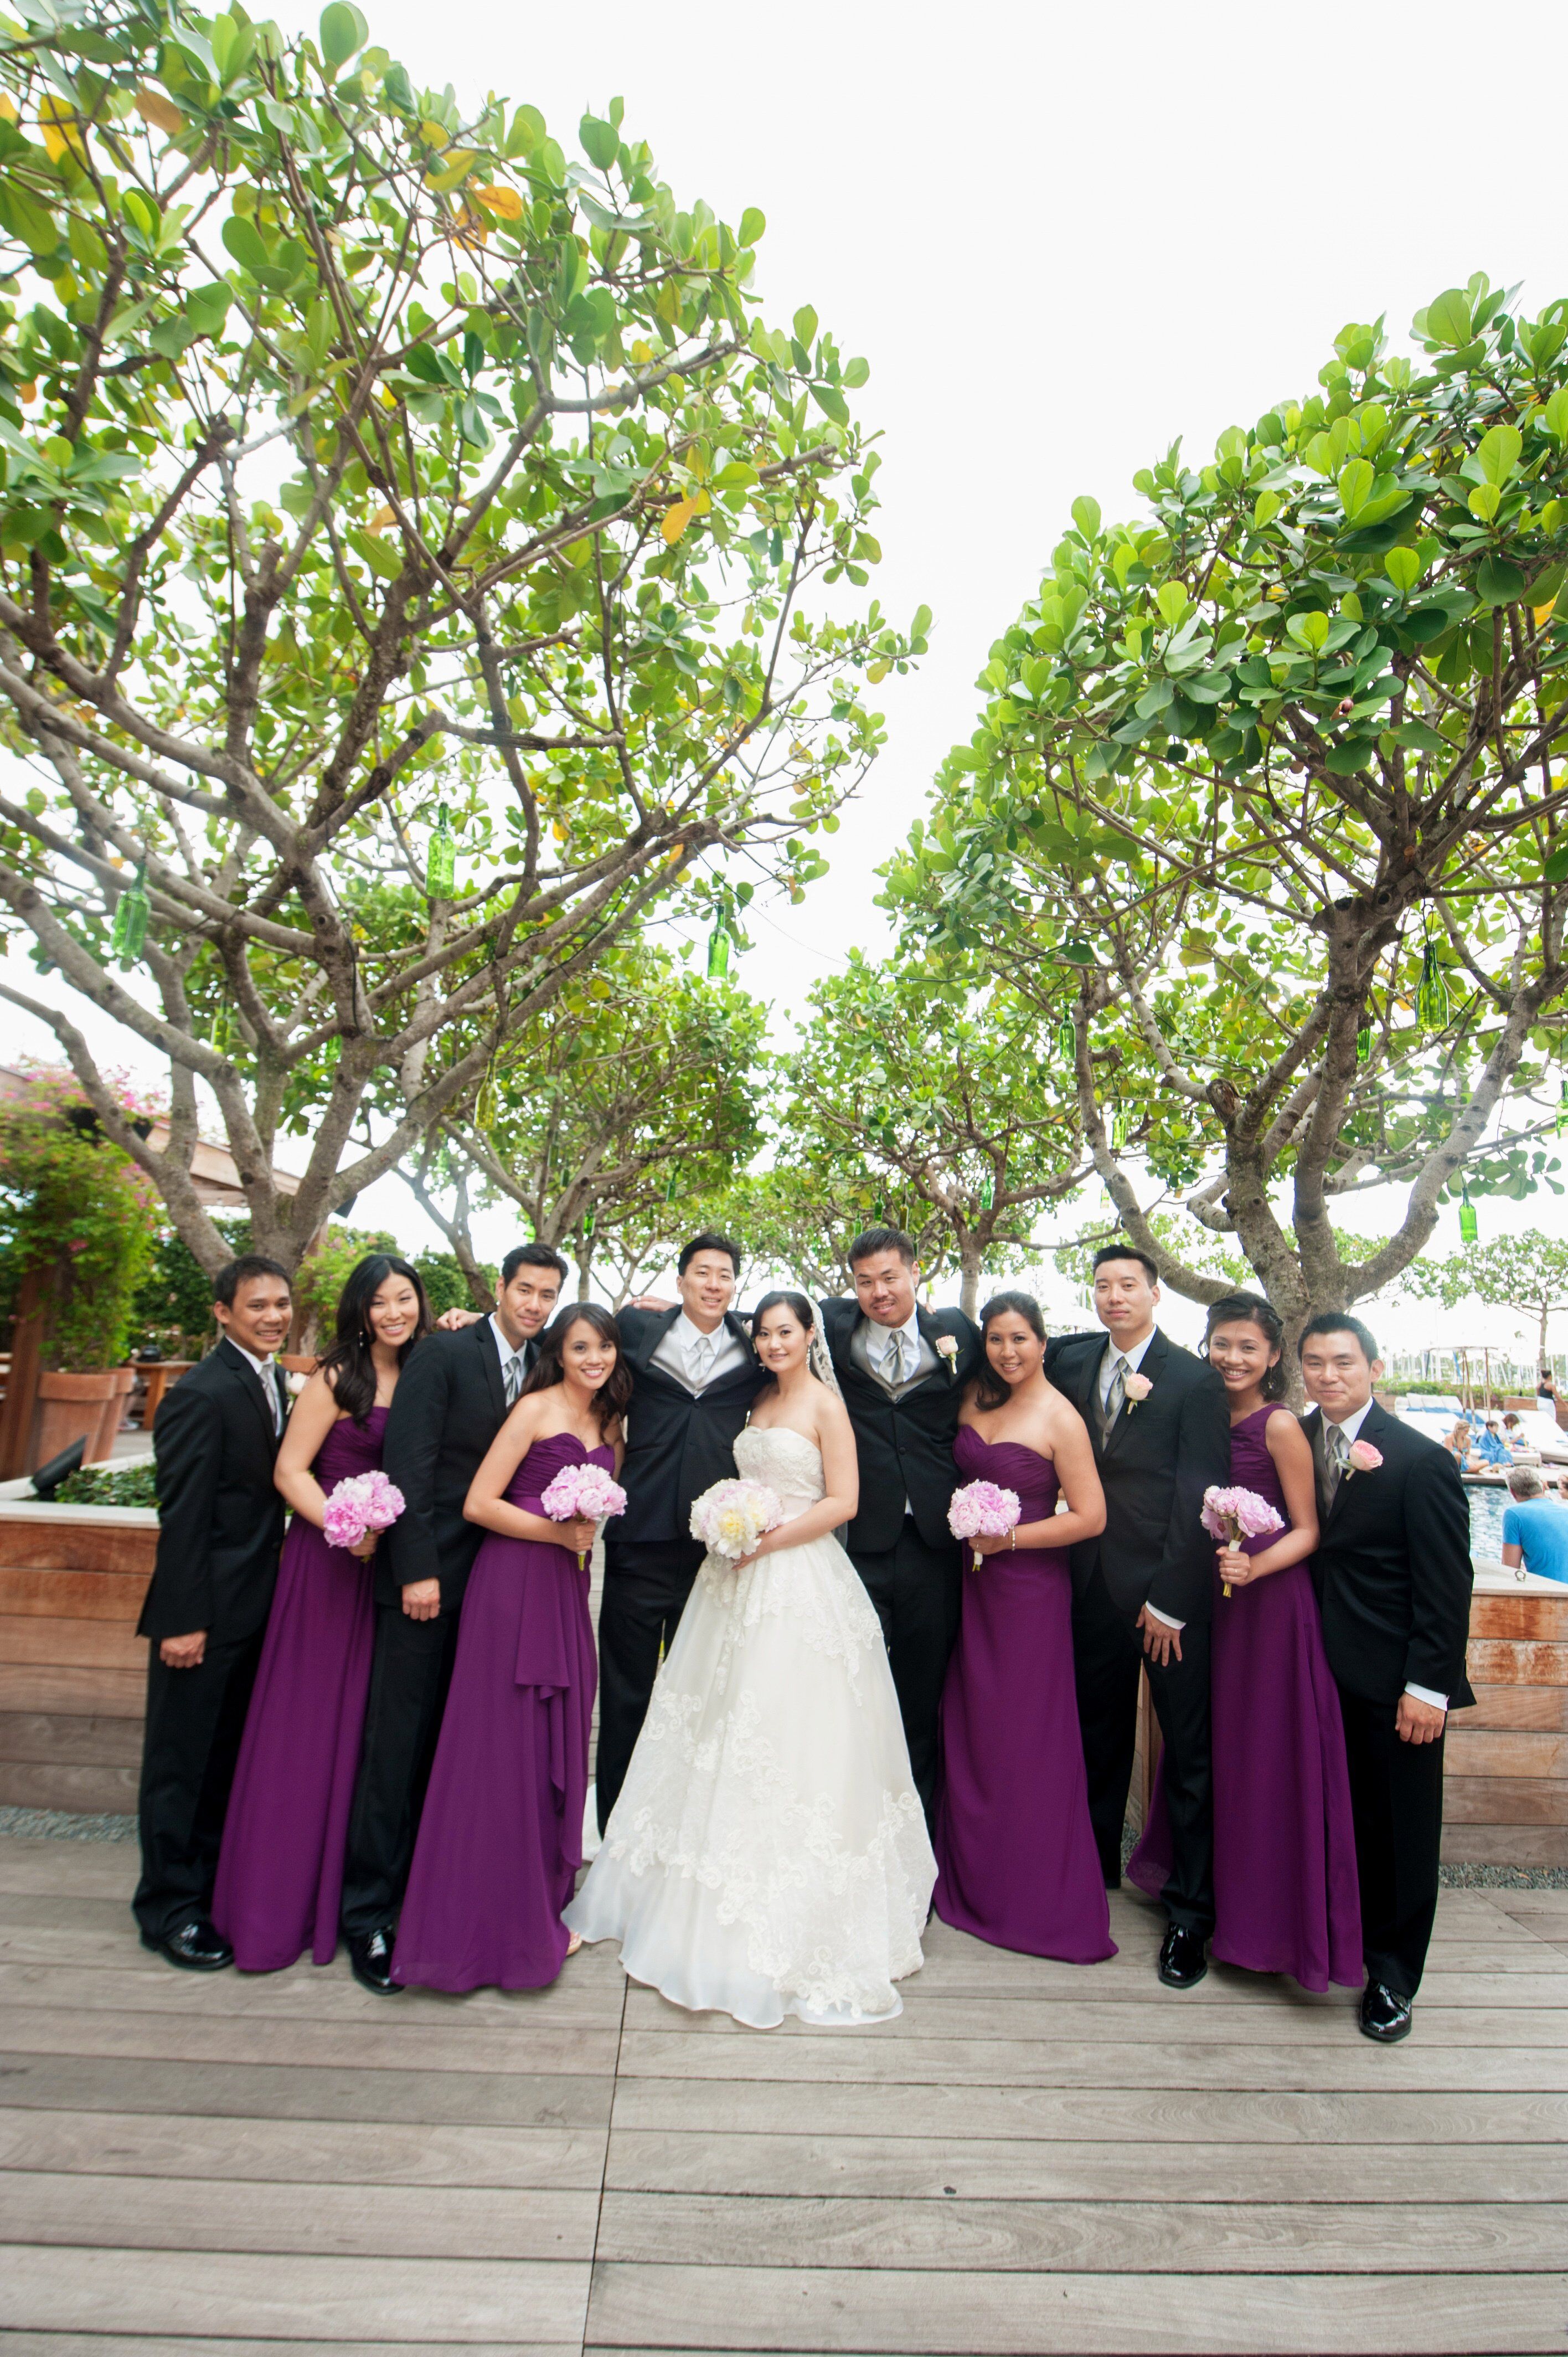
[1286, 1897]
[1017, 1865]
[500, 1839]
[280, 1871]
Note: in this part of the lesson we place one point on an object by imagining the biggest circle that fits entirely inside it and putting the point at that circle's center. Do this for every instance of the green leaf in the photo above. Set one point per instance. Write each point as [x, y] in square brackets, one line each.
[753, 225]
[1086, 515]
[1268, 504]
[1447, 321]
[1555, 870]
[1556, 412]
[1417, 737]
[1402, 567]
[1498, 583]
[1356, 481]
[1309, 630]
[806, 325]
[1498, 452]
[1171, 599]
[831, 400]
[1344, 760]
[246, 243]
[601, 144]
[343, 32]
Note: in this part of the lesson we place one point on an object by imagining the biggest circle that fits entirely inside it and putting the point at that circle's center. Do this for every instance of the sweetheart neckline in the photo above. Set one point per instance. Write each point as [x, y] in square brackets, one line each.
[1038, 1455]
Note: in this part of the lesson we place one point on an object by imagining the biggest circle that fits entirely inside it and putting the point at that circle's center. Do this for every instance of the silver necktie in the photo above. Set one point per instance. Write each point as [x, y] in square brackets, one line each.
[1338, 1457]
[699, 1359]
[515, 1370]
[1115, 1389]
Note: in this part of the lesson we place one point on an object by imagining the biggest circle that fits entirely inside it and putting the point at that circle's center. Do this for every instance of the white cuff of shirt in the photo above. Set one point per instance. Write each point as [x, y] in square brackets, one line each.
[1168, 1619]
[1425, 1693]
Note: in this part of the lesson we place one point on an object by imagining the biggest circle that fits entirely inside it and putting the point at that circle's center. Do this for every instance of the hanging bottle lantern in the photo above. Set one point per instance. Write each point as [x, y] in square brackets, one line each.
[985, 1197]
[1432, 992]
[718, 951]
[1364, 1044]
[223, 1027]
[586, 1230]
[131, 920]
[484, 1103]
[1562, 1110]
[1118, 1131]
[441, 859]
[1469, 1226]
[1066, 1039]
[669, 1188]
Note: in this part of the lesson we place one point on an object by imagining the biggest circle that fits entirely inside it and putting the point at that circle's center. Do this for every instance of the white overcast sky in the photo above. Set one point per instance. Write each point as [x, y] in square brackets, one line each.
[1062, 238]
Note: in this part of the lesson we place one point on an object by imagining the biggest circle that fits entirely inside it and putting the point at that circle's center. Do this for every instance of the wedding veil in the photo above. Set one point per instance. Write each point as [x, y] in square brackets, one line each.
[819, 1358]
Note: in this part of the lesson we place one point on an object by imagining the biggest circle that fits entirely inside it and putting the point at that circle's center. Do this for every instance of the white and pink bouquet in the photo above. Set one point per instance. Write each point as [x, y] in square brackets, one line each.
[983, 1510]
[361, 1503]
[1233, 1515]
[582, 1493]
[730, 1517]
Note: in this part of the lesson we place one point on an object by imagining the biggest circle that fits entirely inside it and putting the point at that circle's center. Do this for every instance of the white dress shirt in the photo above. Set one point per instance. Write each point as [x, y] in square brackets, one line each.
[1351, 1425]
[697, 1359]
[267, 1370]
[508, 1354]
[1132, 1360]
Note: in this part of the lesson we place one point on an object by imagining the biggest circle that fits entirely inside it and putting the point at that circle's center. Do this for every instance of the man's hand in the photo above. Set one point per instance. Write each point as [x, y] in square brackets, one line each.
[1418, 1722]
[183, 1652]
[452, 1321]
[650, 1301]
[421, 1598]
[1161, 1642]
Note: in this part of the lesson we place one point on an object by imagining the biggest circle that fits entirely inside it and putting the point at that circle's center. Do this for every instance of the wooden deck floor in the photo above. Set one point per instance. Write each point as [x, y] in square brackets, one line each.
[1032, 2158]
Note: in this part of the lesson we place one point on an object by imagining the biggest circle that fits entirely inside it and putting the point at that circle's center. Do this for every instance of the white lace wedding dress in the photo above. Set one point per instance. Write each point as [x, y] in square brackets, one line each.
[768, 1854]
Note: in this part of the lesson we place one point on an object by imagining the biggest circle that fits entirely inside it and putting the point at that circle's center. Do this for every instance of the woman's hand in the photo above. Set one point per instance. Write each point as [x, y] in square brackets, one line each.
[578, 1534]
[991, 1542]
[367, 1546]
[767, 1544]
[1235, 1568]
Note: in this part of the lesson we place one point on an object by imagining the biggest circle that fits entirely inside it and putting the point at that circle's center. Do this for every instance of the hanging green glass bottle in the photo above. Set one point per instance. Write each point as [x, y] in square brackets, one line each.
[223, 1027]
[1067, 1039]
[587, 1227]
[484, 1103]
[441, 859]
[1431, 992]
[131, 920]
[1118, 1131]
[1562, 1110]
[1364, 1044]
[1469, 1226]
[718, 951]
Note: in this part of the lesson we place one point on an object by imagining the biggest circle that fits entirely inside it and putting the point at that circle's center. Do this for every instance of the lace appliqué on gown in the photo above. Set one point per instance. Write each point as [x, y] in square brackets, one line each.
[768, 1854]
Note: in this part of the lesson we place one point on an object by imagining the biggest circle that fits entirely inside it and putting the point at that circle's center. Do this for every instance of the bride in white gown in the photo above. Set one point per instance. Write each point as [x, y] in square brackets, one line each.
[768, 1855]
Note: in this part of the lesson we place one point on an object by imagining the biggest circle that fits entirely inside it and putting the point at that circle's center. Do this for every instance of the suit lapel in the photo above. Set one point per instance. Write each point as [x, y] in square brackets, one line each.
[654, 1334]
[491, 1361]
[1153, 1360]
[252, 1384]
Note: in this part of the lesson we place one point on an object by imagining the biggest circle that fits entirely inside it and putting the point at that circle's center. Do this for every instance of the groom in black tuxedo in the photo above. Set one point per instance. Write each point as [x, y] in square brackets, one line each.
[219, 1529]
[1394, 1575]
[902, 1370]
[1160, 1429]
[452, 1398]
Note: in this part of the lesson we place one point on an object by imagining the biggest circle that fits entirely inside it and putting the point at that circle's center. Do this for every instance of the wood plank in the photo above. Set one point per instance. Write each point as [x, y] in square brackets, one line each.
[1526, 1616]
[1544, 1706]
[923, 2313]
[306, 1992]
[341, 2152]
[375, 2045]
[34, 1735]
[89, 1791]
[75, 1694]
[343, 2221]
[1015, 2169]
[30, 1867]
[120, 2344]
[1506, 1800]
[1504, 1845]
[1296, 2021]
[37, 1542]
[80, 1644]
[1147, 2238]
[391, 2300]
[79, 1595]
[1486, 1751]
[1516, 1662]
[478, 2097]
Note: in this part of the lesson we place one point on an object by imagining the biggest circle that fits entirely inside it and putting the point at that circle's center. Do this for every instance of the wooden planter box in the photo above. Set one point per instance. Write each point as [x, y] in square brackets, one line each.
[73, 1674]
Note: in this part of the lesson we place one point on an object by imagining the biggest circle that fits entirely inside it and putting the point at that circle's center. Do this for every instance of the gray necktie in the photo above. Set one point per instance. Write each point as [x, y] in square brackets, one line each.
[270, 1385]
[894, 1370]
[515, 1371]
[1115, 1391]
[699, 1359]
[1338, 1456]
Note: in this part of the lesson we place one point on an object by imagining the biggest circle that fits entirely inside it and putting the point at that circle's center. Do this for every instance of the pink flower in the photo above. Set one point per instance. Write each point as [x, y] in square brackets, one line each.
[361, 1504]
[1237, 1515]
[981, 1510]
[1362, 1457]
[582, 1493]
[1136, 1387]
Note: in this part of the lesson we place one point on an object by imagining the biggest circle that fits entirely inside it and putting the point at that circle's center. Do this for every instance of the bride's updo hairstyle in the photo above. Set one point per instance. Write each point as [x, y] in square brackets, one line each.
[1252, 1309]
[614, 1393]
[989, 1391]
[800, 1309]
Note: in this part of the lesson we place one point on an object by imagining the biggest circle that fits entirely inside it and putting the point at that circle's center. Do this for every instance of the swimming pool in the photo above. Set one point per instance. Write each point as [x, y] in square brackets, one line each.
[1486, 1519]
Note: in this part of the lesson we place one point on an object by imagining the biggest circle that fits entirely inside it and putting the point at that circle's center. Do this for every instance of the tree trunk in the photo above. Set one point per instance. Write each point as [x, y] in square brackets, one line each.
[972, 1262]
[583, 1253]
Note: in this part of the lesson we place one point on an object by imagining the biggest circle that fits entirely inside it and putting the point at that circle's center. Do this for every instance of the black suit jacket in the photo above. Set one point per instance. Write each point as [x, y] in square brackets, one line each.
[679, 1443]
[220, 1516]
[448, 1406]
[905, 1446]
[1392, 1569]
[1155, 1464]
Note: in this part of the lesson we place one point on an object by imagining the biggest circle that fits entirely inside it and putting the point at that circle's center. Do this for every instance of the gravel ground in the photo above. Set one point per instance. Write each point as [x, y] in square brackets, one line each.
[60, 1824]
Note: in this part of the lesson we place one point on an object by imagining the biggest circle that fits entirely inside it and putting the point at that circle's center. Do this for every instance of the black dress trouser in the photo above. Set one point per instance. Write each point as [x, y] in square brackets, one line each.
[1107, 1653]
[918, 1594]
[194, 1721]
[647, 1583]
[1396, 1800]
[410, 1673]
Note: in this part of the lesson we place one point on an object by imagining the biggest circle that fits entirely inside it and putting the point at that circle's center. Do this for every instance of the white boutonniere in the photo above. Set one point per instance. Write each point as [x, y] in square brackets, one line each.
[946, 1346]
[1136, 1388]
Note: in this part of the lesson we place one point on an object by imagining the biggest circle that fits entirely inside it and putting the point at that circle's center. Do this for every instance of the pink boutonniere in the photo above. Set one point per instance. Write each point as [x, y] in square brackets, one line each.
[1136, 1388]
[946, 1346]
[1363, 1458]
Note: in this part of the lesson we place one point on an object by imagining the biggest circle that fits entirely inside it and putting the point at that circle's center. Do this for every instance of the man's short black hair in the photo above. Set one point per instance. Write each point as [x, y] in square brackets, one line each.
[880, 1239]
[532, 1257]
[244, 1271]
[1338, 1321]
[1128, 1252]
[709, 1240]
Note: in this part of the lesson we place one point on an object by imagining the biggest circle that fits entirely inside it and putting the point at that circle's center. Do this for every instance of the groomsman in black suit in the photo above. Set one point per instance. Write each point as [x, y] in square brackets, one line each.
[453, 1397]
[902, 1370]
[1144, 1591]
[219, 1529]
[695, 1376]
[1393, 1574]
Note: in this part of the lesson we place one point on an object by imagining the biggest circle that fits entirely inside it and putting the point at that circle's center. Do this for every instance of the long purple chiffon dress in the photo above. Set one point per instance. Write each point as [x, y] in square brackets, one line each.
[1286, 1897]
[280, 1871]
[1017, 1865]
[500, 1839]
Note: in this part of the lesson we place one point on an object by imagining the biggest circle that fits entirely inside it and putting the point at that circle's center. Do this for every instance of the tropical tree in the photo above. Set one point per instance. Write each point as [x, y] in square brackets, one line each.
[1527, 1273]
[1265, 807]
[938, 1090]
[405, 544]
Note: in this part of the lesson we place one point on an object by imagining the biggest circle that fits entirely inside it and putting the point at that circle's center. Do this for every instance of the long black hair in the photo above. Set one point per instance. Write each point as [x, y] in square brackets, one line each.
[347, 1361]
[614, 1393]
[1252, 1309]
[990, 1390]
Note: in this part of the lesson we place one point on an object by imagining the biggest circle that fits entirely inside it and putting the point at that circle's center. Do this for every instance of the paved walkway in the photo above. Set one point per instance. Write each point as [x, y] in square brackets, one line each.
[1035, 2158]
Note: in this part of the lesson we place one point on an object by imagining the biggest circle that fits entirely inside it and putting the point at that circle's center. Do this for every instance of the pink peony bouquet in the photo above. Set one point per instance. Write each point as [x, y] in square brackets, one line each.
[730, 1517]
[1233, 1515]
[981, 1510]
[582, 1493]
[359, 1504]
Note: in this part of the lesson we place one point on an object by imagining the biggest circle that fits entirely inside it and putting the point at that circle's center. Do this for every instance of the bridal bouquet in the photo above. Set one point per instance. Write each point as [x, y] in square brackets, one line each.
[1233, 1515]
[980, 1510]
[732, 1516]
[582, 1493]
[359, 1504]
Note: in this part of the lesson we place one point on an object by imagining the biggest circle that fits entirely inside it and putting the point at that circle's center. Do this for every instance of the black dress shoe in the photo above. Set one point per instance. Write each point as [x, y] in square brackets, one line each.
[370, 1959]
[1385, 2014]
[1182, 1960]
[195, 1947]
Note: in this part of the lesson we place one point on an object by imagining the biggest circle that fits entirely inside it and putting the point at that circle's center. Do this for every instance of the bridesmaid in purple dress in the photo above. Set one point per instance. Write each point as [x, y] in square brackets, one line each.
[1017, 1864]
[1286, 1895]
[500, 1840]
[281, 1867]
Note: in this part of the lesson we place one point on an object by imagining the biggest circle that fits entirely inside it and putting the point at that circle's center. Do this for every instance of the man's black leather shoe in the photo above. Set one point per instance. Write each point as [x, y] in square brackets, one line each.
[370, 1959]
[1182, 1960]
[195, 1947]
[1385, 2014]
